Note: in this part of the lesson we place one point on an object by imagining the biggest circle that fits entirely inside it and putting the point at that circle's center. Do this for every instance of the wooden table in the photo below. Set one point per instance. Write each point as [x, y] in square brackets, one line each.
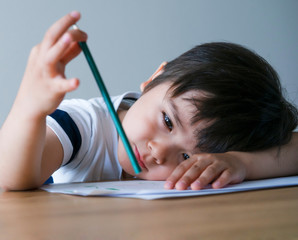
[264, 214]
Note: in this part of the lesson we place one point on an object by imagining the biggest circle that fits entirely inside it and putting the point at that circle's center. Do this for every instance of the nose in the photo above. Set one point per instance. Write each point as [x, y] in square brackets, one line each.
[159, 151]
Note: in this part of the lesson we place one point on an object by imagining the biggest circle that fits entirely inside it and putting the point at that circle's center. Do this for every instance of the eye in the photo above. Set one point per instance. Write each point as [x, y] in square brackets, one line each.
[167, 121]
[185, 156]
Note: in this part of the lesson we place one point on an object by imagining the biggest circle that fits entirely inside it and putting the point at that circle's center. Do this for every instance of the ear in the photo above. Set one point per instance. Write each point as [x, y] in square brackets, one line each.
[157, 72]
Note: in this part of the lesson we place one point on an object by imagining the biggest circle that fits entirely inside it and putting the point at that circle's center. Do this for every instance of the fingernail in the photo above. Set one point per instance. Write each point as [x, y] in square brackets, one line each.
[216, 185]
[181, 185]
[196, 185]
[75, 14]
[168, 185]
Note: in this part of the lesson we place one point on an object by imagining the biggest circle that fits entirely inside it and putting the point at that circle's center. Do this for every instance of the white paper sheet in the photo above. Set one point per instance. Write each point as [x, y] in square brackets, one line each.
[154, 189]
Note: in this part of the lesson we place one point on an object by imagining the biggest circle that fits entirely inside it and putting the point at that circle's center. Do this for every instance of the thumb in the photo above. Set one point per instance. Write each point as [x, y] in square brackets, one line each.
[67, 85]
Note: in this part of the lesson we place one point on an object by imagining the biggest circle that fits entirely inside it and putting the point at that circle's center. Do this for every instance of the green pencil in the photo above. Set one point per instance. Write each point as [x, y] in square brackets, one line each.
[109, 104]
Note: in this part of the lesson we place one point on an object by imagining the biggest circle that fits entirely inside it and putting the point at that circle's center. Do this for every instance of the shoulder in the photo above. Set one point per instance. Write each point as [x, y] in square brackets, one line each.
[94, 104]
[85, 116]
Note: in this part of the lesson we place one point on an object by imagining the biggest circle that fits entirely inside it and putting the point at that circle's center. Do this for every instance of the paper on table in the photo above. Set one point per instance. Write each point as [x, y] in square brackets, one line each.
[154, 189]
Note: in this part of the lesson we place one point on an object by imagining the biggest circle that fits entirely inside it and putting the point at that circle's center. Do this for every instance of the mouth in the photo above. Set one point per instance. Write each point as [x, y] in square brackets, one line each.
[139, 159]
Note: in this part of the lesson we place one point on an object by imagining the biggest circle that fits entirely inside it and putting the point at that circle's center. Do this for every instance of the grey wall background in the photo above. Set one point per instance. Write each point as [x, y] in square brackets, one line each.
[130, 38]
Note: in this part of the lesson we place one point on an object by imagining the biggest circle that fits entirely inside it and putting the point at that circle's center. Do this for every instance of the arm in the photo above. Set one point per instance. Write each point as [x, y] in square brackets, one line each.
[272, 163]
[29, 151]
[233, 167]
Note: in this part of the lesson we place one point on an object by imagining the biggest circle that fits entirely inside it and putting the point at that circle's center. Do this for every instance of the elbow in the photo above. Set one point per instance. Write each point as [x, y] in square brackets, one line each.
[12, 180]
[8, 185]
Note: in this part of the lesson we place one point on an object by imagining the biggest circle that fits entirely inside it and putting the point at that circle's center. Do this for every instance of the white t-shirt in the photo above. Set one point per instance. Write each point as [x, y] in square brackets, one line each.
[89, 139]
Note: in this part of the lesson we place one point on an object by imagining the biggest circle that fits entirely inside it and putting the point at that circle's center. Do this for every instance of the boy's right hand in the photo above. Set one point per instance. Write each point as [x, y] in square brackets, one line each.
[44, 84]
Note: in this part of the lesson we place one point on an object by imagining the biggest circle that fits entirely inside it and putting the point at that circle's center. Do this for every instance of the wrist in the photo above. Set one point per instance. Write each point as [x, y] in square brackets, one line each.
[245, 159]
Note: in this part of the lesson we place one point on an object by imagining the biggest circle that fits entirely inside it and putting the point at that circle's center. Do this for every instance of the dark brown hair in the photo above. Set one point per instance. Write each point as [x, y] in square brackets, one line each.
[244, 99]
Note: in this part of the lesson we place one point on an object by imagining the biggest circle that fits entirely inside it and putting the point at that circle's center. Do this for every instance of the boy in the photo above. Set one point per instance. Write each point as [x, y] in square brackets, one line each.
[194, 113]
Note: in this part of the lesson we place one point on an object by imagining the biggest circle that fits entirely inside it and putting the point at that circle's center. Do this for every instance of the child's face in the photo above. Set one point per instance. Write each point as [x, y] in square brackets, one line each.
[159, 131]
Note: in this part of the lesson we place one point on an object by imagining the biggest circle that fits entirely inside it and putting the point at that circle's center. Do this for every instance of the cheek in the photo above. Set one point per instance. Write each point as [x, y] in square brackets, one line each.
[124, 159]
[139, 126]
[133, 127]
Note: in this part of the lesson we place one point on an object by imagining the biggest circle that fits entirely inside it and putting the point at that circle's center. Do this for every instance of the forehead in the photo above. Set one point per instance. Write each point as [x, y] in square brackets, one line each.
[182, 105]
[185, 103]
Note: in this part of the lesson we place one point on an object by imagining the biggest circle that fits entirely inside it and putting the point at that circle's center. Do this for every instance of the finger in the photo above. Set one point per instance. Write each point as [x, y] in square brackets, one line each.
[62, 86]
[73, 51]
[72, 85]
[207, 176]
[191, 174]
[66, 48]
[177, 174]
[225, 178]
[59, 28]
[222, 180]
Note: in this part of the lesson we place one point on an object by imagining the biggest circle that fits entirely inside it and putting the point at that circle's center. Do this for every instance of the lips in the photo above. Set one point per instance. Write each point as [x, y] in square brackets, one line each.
[140, 161]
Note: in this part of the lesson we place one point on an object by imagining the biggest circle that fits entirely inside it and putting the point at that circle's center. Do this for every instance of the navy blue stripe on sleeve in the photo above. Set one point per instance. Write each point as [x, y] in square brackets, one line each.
[70, 128]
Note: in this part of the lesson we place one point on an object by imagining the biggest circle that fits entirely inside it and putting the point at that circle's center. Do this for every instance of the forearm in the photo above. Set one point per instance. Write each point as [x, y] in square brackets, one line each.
[272, 162]
[22, 139]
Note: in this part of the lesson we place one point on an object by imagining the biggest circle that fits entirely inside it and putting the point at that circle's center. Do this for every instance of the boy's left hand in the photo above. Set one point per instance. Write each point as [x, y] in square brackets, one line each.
[196, 172]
